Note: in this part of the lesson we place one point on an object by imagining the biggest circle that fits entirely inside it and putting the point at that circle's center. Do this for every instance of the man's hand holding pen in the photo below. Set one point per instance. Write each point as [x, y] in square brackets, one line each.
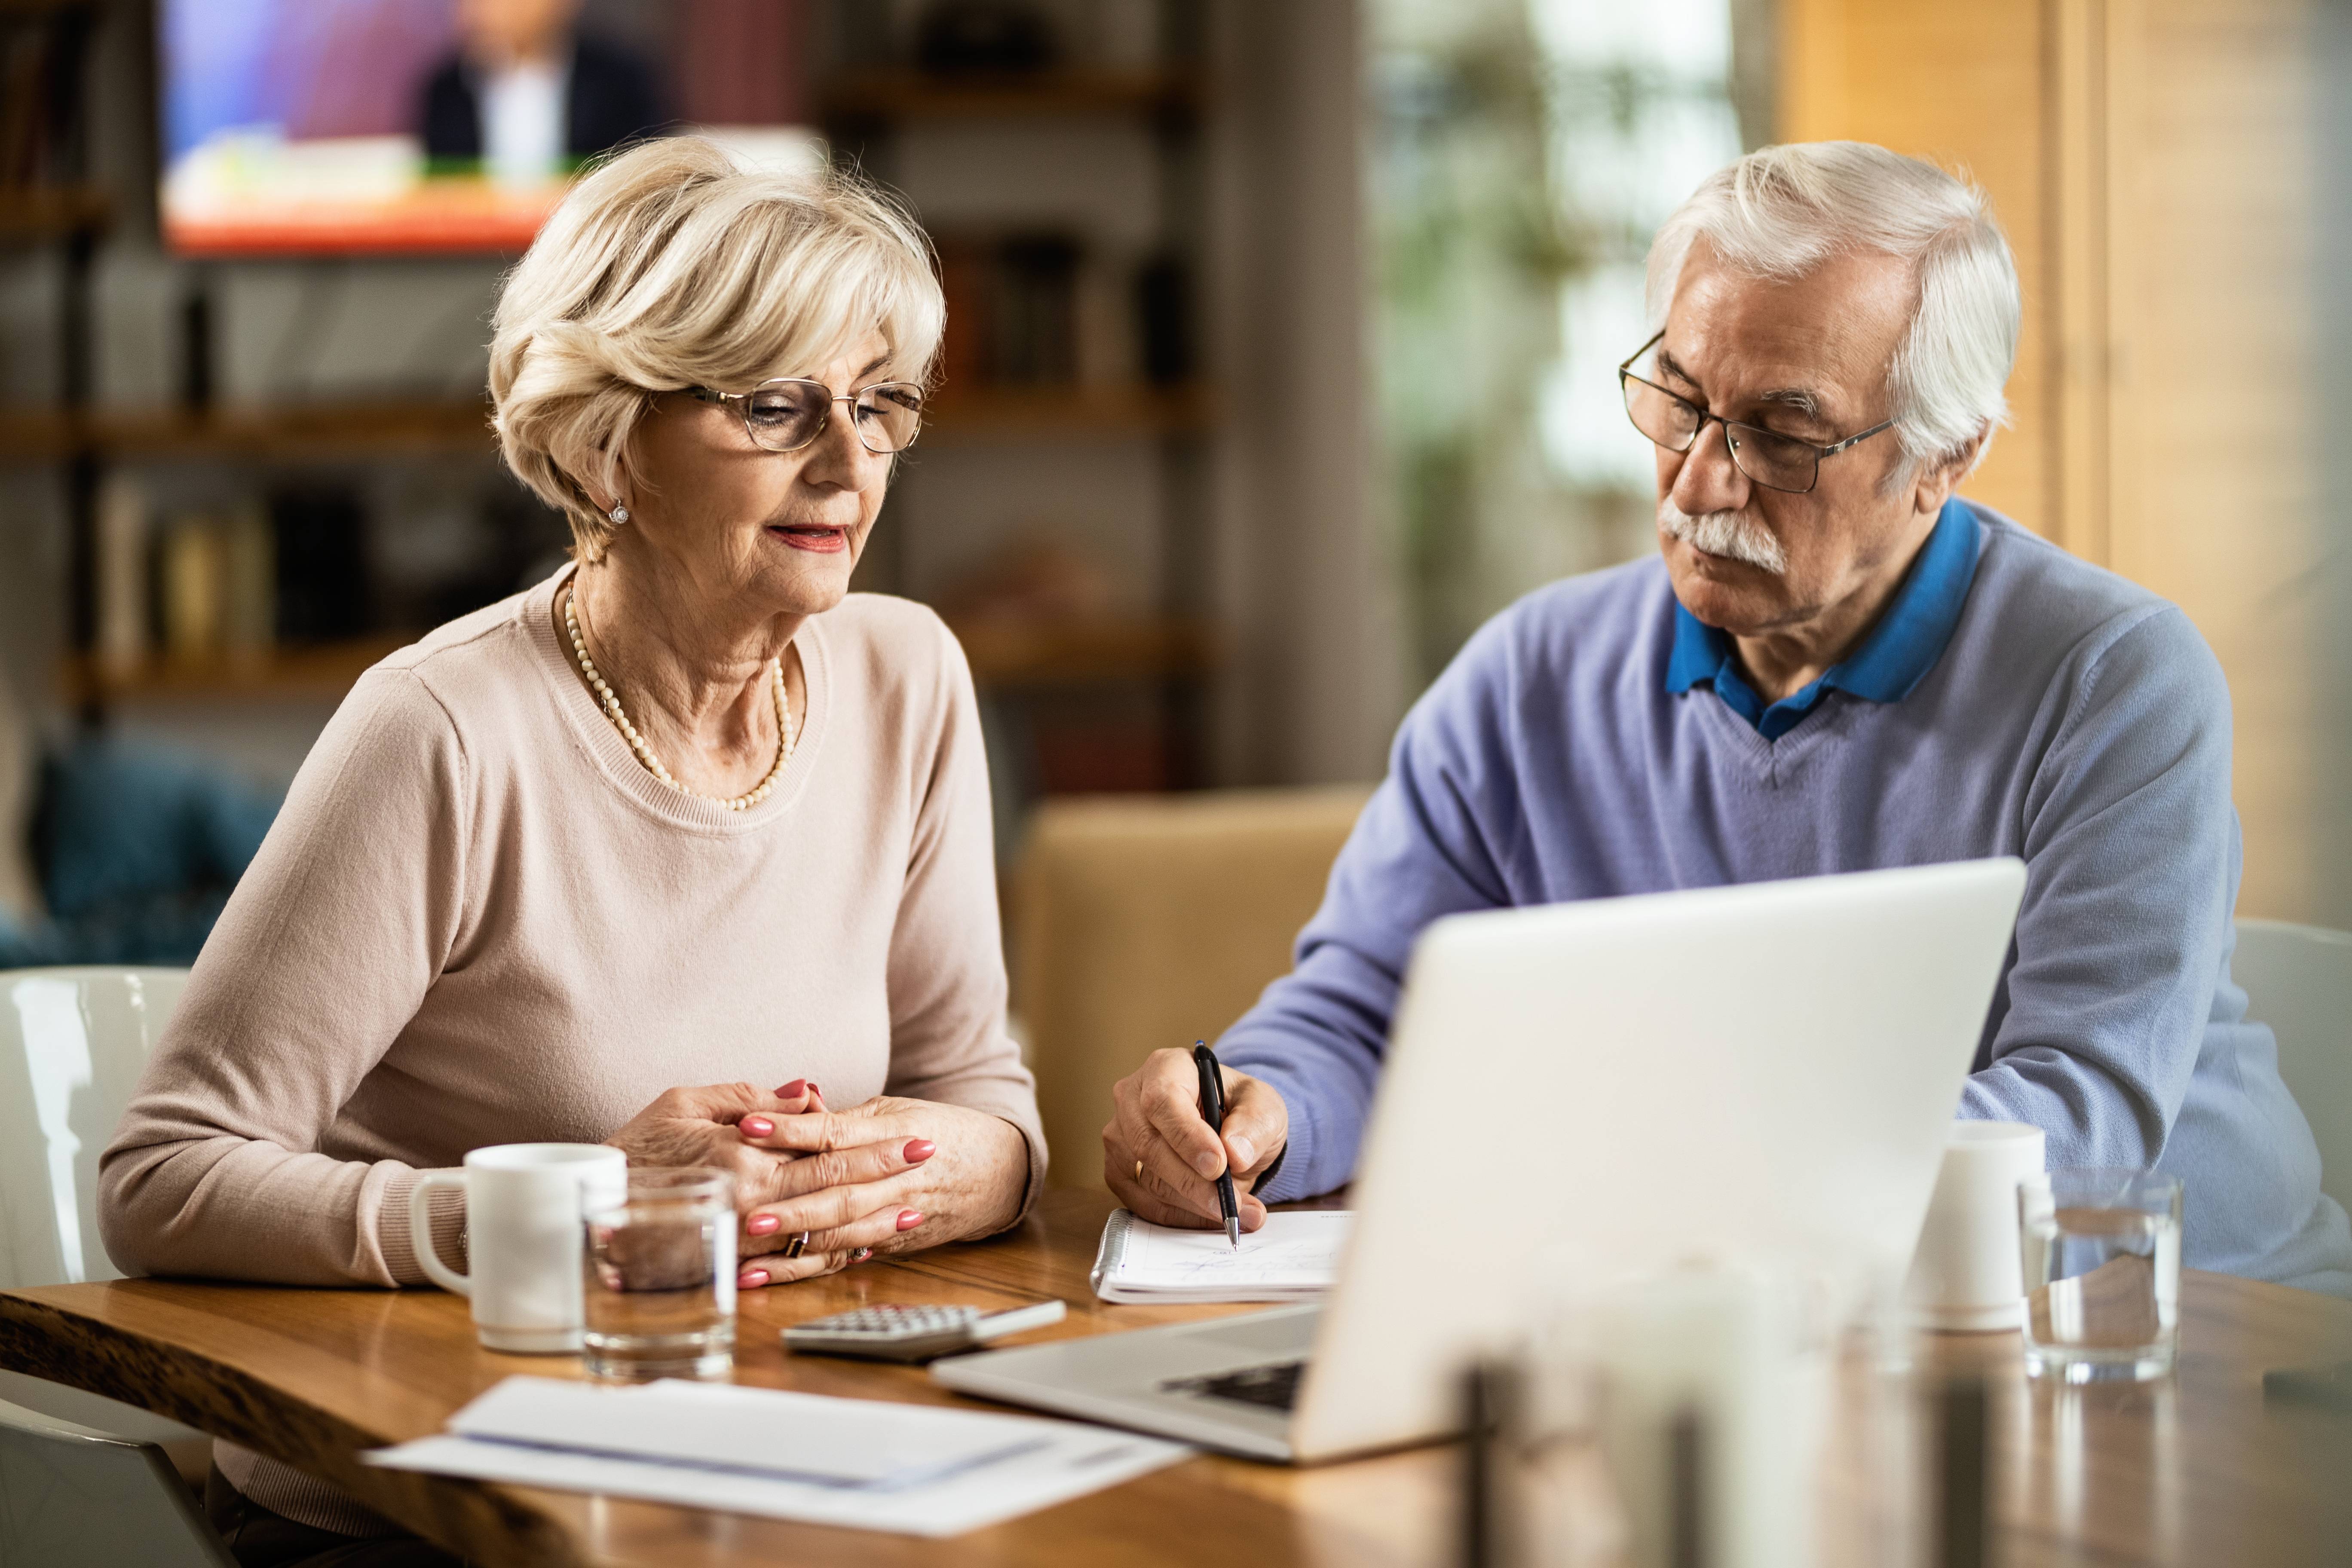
[1160, 1157]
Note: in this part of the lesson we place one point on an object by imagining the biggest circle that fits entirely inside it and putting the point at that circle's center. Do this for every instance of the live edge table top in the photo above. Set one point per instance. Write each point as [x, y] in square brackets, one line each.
[2196, 1469]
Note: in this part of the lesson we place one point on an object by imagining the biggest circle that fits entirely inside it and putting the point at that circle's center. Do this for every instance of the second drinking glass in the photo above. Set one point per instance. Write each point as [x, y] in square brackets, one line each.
[660, 1278]
[2101, 1264]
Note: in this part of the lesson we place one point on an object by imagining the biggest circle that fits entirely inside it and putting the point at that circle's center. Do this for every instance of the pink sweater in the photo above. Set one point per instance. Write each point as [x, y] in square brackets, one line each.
[478, 919]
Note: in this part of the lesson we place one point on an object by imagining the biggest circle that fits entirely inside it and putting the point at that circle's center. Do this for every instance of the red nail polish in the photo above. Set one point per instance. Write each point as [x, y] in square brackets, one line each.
[793, 1090]
[757, 1127]
[752, 1279]
[762, 1225]
[814, 1092]
[910, 1218]
[919, 1149]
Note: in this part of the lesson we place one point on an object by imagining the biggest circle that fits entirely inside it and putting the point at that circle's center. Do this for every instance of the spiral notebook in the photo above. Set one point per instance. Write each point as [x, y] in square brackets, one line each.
[1292, 1257]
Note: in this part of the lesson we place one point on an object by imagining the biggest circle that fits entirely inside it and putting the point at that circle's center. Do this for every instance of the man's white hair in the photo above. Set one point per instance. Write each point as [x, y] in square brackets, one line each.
[1780, 212]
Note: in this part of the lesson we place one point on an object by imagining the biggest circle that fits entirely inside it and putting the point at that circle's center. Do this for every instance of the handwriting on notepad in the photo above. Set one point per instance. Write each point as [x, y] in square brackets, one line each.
[1208, 1255]
[1296, 1249]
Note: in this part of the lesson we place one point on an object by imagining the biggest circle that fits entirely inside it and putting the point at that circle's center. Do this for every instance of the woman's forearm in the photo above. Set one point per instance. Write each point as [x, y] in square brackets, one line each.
[223, 1207]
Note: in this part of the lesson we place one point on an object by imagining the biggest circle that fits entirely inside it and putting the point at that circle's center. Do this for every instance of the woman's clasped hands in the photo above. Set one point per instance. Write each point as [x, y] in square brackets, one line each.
[889, 1175]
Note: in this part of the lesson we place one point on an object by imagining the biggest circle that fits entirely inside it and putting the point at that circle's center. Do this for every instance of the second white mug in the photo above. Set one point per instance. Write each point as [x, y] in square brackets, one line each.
[1966, 1274]
[523, 1208]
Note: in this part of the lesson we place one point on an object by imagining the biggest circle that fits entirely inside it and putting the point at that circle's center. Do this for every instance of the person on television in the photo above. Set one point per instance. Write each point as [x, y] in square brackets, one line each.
[1835, 664]
[526, 97]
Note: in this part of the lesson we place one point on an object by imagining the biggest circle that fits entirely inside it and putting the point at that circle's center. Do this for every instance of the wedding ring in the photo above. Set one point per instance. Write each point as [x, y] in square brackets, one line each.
[1138, 1170]
[797, 1245]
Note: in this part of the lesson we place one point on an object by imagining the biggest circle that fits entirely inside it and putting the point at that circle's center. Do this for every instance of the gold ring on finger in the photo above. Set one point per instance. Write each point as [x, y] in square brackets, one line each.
[1138, 1170]
[797, 1245]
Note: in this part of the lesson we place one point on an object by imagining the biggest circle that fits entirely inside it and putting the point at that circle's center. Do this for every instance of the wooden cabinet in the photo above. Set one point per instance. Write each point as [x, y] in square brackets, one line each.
[2154, 165]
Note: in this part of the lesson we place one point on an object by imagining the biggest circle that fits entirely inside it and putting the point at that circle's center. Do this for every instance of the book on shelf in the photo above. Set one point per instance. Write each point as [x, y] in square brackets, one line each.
[199, 588]
[1048, 309]
[1031, 311]
[999, 39]
[320, 536]
[742, 62]
[249, 585]
[121, 545]
[40, 97]
[194, 578]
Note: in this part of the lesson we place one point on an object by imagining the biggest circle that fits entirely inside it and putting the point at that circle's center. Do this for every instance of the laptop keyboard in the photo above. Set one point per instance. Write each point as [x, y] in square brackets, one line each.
[1273, 1385]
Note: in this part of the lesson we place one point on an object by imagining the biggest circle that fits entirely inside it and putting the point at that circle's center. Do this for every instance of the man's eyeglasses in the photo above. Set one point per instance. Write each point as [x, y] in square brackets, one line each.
[787, 414]
[1775, 461]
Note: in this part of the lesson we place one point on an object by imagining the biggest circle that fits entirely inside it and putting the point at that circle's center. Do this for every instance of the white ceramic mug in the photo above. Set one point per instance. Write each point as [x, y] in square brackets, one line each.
[523, 1207]
[1966, 1274]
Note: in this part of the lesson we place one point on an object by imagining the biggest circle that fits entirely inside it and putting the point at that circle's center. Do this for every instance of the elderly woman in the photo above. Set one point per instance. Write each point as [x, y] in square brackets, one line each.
[651, 851]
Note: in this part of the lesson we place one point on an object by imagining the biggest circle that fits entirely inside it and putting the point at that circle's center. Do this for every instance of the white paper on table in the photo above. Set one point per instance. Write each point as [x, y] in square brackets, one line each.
[764, 1431]
[1293, 1256]
[1024, 1464]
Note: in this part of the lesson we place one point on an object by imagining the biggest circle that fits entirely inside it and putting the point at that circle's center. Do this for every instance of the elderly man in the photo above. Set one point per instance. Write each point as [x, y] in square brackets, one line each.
[1837, 665]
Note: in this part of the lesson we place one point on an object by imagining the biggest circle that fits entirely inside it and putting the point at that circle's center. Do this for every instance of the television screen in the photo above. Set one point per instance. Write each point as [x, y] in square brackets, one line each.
[312, 127]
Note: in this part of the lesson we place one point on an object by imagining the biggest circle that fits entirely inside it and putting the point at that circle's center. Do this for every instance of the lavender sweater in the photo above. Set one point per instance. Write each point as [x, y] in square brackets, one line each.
[2071, 719]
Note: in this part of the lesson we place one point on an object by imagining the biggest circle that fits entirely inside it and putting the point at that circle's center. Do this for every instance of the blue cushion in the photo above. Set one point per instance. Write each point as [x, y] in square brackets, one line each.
[138, 847]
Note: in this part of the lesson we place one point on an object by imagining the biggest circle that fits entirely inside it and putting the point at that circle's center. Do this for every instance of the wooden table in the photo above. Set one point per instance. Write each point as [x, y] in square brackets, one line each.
[2198, 1469]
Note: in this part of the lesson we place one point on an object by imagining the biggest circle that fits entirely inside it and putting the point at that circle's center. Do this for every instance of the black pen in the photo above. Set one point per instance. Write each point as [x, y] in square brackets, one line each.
[1212, 1111]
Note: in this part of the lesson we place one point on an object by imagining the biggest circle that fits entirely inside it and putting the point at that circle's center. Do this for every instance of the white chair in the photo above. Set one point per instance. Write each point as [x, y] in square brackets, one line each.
[2298, 980]
[72, 1497]
[72, 1042]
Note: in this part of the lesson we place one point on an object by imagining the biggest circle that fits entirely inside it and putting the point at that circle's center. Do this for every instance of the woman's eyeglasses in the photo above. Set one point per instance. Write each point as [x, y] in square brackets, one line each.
[787, 414]
[1775, 461]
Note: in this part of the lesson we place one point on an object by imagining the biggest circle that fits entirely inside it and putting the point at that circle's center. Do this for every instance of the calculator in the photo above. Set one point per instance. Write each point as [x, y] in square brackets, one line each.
[914, 1334]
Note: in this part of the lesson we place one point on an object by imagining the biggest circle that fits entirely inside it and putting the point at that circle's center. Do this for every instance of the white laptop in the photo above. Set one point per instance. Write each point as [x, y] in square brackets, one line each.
[1597, 1090]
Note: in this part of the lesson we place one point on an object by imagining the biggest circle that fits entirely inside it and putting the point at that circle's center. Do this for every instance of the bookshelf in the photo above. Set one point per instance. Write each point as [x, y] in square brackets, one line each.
[1004, 655]
[35, 215]
[1092, 262]
[885, 96]
[327, 431]
[1151, 652]
[48, 198]
[315, 673]
[356, 429]
[1011, 413]
[1075, 653]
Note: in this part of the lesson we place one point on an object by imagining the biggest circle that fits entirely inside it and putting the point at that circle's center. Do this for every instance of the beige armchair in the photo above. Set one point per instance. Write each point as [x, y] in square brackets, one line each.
[1143, 922]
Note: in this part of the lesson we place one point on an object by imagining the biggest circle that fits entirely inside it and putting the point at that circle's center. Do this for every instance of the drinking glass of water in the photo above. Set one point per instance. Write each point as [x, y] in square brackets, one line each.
[659, 1290]
[2101, 1257]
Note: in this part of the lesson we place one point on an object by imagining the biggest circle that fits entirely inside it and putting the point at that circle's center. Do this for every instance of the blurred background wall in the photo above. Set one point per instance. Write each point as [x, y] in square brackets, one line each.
[1522, 153]
[1280, 349]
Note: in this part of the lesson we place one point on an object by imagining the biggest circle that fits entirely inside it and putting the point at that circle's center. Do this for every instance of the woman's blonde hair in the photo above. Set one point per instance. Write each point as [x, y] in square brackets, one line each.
[671, 266]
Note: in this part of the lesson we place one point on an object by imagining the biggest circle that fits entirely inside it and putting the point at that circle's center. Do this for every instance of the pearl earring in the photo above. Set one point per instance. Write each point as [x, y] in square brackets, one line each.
[620, 514]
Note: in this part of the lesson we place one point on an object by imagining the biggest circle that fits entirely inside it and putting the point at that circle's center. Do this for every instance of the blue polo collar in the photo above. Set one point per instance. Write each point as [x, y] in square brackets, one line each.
[1893, 658]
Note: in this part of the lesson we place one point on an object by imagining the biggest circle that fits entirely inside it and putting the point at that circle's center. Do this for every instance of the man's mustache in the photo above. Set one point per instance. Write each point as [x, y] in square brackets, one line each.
[1727, 533]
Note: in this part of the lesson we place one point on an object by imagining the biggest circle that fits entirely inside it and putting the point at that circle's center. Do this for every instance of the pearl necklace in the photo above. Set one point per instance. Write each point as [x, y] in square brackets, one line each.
[785, 737]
